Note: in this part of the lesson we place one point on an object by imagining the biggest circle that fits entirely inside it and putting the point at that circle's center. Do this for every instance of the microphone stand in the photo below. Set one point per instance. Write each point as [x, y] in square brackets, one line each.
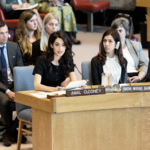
[82, 75]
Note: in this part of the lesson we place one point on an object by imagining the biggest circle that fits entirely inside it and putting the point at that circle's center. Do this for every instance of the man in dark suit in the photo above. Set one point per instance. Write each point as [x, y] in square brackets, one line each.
[10, 56]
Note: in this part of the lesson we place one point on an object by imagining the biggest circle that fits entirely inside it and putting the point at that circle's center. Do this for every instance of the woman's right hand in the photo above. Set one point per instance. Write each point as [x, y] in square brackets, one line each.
[59, 88]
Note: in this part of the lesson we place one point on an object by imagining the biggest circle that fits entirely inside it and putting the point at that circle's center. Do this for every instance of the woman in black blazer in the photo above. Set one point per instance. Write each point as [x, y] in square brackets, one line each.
[50, 25]
[110, 59]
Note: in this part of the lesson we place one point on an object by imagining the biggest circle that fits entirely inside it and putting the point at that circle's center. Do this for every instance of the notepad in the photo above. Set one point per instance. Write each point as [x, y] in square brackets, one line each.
[30, 7]
[75, 84]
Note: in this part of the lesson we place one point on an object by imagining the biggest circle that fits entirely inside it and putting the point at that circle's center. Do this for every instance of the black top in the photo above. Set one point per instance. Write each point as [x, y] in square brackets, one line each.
[55, 77]
[36, 51]
[97, 70]
[26, 59]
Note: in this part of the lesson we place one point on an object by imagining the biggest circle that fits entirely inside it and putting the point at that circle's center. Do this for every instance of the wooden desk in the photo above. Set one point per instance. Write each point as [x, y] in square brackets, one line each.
[117, 121]
[145, 3]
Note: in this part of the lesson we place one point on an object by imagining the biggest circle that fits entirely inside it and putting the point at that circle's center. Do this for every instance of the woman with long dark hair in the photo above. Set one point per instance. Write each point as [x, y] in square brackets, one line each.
[110, 60]
[55, 69]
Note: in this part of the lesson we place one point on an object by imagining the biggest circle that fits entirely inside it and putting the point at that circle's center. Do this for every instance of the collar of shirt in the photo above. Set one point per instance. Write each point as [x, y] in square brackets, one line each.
[3, 45]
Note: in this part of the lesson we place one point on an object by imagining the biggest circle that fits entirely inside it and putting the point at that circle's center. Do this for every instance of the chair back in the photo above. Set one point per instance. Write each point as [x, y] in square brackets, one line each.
[23, 80]
[77, 2]
[86, 71]
[2, 17]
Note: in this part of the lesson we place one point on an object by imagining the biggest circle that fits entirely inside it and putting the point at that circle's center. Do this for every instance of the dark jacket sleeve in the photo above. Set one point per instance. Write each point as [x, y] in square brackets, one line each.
[19, 61]
[124, 73]
[96, 69]
[5, 7]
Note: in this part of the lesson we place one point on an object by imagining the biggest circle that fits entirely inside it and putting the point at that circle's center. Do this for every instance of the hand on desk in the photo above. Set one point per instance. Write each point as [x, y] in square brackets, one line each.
[134, 79]
[84, 87]
[59, 88]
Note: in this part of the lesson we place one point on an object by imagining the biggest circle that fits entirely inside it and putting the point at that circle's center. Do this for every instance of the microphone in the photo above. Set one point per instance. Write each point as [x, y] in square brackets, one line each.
[82, 75]
[126, 73]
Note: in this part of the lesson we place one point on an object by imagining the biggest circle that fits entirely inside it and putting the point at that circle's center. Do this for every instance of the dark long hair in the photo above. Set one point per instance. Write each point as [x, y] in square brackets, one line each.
[66, 60]
[116, 37]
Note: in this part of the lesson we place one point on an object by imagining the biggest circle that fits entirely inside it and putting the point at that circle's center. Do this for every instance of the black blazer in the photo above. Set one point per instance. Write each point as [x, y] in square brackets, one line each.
[36, 51]
[97, 70]
[14, 59]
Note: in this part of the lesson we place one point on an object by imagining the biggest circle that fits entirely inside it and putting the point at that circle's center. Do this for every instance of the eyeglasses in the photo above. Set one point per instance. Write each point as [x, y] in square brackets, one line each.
[122, 14]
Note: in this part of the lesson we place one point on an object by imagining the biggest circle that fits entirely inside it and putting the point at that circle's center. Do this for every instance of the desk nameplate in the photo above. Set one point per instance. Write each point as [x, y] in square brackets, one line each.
[85, 92]
[139, 88]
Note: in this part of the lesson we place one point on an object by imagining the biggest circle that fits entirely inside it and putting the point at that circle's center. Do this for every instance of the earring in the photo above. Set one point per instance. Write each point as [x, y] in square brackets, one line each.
[117, 45]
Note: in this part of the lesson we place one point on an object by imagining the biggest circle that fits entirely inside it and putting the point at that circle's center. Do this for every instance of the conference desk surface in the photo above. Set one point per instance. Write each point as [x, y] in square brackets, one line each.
[112, 121]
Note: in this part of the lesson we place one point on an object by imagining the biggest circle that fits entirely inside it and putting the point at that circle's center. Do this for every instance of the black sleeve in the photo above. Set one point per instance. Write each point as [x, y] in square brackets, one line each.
[35, 51]
[72, 66]
[39, 66]
[123, 72]
[96, 76]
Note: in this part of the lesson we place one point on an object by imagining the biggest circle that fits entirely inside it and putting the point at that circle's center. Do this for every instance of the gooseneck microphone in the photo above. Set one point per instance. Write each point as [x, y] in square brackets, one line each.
[82, 75]
[126, 73]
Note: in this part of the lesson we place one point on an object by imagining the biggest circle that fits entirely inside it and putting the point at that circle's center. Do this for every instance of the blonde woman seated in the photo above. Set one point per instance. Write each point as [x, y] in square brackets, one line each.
[110, 60]
[55, 69]
[67, 21]
[27, 33]
[137, 63]
[50, 25]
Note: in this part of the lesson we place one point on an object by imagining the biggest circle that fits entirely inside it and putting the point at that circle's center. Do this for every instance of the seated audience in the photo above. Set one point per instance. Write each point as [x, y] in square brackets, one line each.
[26, 34]
[132, 51]
[10, 57]
[50, 25]
[55, 70]
[110, 60]
[9, 6]
[65, 14]
[131, 28]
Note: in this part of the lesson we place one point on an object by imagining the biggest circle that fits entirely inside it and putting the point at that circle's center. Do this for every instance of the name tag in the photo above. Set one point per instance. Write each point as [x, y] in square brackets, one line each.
[84, 92]
[139, 88]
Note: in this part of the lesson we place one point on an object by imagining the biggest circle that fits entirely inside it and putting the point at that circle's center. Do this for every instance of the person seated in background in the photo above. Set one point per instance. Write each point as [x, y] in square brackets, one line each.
[9, 58]
[131, 28]
[65, 14]
[55, 69]
[50, 25]
[110, 60]
[137, 63]
[9, 6]
[26, 34]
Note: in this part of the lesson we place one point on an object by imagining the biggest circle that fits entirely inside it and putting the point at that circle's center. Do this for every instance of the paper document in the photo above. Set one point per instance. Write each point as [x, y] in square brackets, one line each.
[30, 7]
[123, 85]
[44, 94]
[75, 84]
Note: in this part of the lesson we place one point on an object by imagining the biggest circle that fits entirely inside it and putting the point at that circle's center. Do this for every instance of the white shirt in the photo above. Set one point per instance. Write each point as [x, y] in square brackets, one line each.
[10, 78]
[112, 66]
[20, 2]
[131, 64]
